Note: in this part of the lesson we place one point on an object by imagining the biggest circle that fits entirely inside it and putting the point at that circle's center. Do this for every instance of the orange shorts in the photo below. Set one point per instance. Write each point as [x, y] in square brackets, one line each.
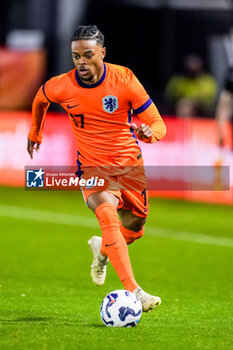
[128, 184]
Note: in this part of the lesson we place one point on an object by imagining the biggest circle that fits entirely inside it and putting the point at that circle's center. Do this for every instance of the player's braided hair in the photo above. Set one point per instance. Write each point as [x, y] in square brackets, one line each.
[88, 33]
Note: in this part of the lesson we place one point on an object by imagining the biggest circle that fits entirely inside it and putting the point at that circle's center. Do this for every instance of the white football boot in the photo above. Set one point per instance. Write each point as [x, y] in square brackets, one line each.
[99, 262]
[148, 301]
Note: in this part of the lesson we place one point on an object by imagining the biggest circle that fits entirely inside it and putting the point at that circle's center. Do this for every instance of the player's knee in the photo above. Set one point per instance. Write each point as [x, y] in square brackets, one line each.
[136, 224]
[100, 197]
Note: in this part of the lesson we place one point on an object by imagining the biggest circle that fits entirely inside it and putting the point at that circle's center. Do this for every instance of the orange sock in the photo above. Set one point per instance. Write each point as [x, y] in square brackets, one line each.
[114, 245]
[131, 236]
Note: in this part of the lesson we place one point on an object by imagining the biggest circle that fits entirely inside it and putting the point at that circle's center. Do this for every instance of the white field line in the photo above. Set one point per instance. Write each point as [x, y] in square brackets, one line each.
[193, 237]
[14, 212]
[47, 216]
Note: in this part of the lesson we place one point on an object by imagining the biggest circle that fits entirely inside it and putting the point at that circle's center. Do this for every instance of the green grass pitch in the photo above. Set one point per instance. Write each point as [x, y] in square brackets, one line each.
[47, 299]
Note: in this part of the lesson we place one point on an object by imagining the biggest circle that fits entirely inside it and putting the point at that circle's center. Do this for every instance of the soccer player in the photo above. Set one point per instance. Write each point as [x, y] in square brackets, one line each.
[98, 97]
[224, 110]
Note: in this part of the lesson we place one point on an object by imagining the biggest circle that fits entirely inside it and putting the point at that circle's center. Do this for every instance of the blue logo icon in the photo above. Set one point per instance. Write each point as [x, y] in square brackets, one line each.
[110, 103]
[35, 178]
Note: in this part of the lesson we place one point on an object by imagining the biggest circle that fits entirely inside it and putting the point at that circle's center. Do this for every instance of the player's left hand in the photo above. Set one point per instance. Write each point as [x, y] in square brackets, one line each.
[143, 131]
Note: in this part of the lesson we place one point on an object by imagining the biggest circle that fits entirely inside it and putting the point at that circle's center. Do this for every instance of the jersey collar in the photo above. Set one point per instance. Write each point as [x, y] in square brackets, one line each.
[90, 86]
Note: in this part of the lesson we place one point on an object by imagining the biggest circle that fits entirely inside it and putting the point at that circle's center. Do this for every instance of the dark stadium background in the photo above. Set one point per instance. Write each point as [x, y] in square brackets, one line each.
[150, 37]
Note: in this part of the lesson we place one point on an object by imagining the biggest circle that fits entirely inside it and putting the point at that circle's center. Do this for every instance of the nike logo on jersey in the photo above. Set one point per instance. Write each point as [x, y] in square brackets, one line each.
[109, 245]
[72, 106]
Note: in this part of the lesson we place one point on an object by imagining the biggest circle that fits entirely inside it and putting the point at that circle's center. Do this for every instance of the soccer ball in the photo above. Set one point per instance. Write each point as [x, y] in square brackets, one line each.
[121, 308]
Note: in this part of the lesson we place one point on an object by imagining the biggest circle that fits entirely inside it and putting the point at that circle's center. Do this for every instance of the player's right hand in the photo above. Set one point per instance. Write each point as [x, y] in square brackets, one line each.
[142, 132]
[31, 146]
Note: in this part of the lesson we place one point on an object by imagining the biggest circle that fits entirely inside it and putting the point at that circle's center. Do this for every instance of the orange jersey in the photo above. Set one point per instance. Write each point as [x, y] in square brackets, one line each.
[100, 114]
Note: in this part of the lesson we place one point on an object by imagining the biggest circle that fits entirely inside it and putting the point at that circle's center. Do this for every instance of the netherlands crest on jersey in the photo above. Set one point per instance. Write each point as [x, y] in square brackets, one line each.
[110, 103]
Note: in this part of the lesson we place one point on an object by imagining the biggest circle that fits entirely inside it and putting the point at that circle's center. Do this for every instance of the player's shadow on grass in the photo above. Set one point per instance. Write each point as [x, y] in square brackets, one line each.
[94, 325]
[26, 319]
[45, 320]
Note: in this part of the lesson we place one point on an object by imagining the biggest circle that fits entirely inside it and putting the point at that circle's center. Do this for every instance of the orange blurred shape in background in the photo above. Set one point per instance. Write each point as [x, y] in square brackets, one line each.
[21, 74]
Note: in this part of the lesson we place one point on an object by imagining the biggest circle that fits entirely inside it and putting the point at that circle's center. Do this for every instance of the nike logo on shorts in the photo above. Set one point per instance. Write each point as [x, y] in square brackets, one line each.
[109, 245]
[72, 106]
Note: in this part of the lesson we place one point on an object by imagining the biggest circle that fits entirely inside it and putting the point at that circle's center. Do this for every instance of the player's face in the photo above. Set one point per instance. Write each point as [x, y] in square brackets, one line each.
[88, 59]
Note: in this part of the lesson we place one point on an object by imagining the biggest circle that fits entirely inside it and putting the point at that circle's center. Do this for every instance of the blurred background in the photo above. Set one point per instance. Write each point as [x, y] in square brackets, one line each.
[180, 50]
